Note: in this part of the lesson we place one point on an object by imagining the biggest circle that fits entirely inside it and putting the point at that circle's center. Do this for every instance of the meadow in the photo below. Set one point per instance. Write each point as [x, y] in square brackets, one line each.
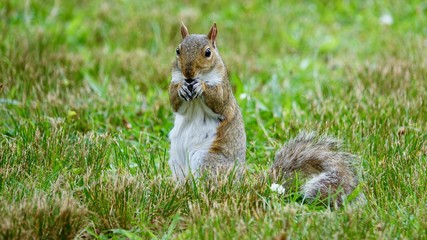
[85, 116]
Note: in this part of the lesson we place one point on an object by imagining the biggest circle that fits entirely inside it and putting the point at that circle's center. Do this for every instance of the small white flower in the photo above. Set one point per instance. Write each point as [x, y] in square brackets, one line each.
[386, 19]
[243, 96]
[277, 188]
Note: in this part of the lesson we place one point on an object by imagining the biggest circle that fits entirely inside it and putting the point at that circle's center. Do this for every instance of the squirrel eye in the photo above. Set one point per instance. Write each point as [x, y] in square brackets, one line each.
[177, 51]
[208, 52]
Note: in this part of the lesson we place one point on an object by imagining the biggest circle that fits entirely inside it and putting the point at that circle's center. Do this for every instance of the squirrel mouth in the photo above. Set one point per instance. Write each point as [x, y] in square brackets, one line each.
[190, 80]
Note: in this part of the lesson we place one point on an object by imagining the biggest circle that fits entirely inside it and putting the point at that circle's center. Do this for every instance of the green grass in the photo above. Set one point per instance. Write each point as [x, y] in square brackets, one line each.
[84, 116]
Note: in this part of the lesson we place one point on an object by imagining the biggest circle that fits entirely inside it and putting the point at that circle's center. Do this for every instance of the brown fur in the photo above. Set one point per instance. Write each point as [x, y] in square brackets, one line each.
[229, 147]
[174, 99]
[328, 170]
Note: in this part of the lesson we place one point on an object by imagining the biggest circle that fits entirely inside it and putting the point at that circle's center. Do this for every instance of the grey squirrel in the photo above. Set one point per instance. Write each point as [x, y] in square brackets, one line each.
[209, 135]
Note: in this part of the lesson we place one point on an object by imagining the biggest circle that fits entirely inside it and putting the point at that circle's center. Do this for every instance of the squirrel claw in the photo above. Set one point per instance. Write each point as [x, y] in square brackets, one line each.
[184, 93]
[197, 89]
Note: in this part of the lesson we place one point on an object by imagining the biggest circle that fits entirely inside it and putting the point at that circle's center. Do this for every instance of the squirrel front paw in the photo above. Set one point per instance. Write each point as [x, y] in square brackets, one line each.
[197, 88]
[190, 91]
[185, 92]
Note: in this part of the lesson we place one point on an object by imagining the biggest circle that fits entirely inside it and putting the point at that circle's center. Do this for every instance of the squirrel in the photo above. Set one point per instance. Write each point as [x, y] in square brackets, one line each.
[209, 134]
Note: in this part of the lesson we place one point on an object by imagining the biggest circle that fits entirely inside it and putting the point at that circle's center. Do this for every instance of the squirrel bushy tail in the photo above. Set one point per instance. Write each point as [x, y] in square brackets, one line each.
[328, 172]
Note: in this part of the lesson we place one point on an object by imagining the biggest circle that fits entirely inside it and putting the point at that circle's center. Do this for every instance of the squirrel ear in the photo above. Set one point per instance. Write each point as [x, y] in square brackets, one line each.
[212, 34]
[184, 30]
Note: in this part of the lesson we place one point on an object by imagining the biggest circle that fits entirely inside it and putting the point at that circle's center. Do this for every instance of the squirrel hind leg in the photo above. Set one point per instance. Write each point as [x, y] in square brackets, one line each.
[217, 166]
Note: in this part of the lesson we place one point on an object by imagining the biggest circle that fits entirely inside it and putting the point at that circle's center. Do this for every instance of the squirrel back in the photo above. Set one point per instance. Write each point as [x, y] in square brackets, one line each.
[209, 134]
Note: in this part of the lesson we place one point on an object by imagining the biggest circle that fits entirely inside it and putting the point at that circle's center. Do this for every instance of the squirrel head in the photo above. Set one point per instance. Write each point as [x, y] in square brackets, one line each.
[197, 54]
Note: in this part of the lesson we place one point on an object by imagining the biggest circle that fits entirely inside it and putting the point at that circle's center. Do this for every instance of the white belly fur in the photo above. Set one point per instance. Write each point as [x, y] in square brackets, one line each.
[191, 138]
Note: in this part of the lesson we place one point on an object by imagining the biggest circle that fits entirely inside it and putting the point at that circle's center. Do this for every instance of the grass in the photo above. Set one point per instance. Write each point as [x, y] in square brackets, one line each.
[84, 116]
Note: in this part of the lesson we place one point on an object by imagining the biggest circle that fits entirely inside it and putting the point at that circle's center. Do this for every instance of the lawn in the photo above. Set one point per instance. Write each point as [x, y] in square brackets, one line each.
[85, 116]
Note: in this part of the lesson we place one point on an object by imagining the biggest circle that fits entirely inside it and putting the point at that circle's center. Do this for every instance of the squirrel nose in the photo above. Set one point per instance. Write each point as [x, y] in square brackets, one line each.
[189, 73]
